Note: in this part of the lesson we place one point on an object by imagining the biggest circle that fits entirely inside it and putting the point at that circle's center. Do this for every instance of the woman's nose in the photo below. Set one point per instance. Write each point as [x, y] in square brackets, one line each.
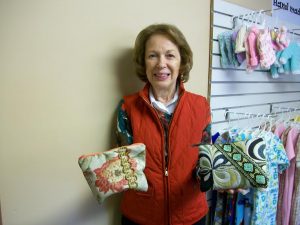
[161, 62]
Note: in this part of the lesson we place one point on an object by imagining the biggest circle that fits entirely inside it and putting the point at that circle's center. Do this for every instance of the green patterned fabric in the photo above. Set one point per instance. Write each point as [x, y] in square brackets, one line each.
[233, 165]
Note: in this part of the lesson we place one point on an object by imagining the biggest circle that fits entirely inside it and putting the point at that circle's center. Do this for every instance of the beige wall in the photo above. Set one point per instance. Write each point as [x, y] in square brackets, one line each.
[64, 65]
[253, 4]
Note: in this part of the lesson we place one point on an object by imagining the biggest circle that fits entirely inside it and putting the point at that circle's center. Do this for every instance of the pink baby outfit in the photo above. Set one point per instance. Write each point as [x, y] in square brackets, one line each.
[252, 55]
[279, 130]
[281, 39]
[295, 209]
[290, 145]
[265, 48]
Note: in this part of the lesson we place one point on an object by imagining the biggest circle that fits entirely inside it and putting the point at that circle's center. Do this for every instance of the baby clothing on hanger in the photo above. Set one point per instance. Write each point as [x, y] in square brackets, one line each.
[292, 52]
[252, 55]
[285, 207]
[228, 57]
[265, 48]
[281, 39]
[277, 68]
[241, 56]
[240, 40]
[264, 200]
[295, 208]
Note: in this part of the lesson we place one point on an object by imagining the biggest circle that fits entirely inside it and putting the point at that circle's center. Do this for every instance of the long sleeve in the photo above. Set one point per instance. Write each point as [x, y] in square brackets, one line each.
[123, 128]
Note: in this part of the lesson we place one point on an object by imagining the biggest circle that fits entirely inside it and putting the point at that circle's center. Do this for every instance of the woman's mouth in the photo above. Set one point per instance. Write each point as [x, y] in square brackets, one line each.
[162, 76]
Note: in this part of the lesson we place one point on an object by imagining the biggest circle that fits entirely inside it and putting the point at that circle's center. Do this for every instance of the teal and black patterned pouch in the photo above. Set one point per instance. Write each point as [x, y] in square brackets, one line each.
[233, 165]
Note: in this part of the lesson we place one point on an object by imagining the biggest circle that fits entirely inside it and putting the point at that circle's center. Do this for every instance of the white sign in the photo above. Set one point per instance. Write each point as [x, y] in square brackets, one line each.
[289, 10]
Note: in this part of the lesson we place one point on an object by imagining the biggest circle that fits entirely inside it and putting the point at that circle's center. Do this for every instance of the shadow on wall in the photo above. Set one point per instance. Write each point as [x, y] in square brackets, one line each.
[128, 82]
[87, 210]
[90, 210]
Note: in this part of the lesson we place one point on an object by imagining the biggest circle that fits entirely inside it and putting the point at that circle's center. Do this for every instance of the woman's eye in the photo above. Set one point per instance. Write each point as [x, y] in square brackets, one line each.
[170, 55]
[151, 56]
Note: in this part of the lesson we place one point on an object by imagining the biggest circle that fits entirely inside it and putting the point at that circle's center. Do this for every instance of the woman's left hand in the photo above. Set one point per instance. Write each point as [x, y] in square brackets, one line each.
[232, 191]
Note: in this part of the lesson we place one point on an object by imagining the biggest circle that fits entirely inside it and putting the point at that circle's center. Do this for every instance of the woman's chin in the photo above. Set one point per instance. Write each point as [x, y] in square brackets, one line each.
[161, 85]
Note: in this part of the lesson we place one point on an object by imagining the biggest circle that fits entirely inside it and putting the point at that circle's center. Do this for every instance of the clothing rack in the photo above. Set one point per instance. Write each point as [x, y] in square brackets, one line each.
[247, 115]
[250, 116]
[285, 109]
[232, 89]
[255, 12]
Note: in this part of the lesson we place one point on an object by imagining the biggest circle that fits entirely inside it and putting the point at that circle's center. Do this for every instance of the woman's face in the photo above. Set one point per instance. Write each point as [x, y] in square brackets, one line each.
[162, 60]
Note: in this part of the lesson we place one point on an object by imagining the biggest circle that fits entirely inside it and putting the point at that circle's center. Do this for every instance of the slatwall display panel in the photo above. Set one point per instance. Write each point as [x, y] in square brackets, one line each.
[235, 90]
[239, 75]
[216, 49]
[219, 89]
[227, 102]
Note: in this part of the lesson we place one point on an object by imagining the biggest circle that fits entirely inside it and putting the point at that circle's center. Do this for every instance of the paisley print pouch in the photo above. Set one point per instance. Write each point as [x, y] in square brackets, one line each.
[115, 170]
[233, 165]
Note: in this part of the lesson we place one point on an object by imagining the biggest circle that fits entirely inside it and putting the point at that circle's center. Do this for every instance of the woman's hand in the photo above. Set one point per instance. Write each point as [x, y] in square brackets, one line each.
[232, 191]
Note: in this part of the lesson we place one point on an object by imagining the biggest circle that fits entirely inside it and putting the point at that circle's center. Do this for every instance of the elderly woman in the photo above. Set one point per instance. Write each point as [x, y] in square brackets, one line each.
[168, 120]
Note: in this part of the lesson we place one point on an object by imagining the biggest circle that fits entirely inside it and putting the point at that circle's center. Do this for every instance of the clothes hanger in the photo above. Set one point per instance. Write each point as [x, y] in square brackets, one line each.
[270, 120]
[253, 19]
[240, 21]
[262, 124]
[236, 22]
[261, 23]
[280, 119]
[249, 127]
[248, 16]
[292, 35]
[247, 20]
[228, 119]
[276, 27]
[294, 123]
[263, 18]
[289, 117]
[294, 115]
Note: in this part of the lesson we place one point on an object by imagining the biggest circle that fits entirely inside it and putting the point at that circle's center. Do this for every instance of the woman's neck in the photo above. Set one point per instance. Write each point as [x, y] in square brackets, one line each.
[164, 95]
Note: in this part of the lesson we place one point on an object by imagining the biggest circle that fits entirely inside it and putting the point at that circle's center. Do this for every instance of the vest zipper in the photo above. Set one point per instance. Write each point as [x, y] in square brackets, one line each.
[166, 172]
[162, 128]
[165, 165]
[164, 158]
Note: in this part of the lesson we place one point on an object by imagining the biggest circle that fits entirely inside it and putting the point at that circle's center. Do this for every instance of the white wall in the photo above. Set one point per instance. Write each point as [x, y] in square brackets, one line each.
[64, 65]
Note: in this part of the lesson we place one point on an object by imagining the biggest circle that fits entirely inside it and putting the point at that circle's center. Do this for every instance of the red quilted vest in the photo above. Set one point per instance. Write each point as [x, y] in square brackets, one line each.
[174, 195]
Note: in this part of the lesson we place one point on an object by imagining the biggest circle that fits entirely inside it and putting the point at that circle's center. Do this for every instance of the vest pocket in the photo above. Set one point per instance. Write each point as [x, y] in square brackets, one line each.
[148, 193]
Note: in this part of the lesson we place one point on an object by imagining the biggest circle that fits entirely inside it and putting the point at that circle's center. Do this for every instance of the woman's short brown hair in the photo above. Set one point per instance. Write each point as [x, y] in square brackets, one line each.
[175, 36]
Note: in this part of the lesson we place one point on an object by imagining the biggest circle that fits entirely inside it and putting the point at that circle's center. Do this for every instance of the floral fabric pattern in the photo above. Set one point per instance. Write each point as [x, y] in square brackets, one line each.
[115, 170]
